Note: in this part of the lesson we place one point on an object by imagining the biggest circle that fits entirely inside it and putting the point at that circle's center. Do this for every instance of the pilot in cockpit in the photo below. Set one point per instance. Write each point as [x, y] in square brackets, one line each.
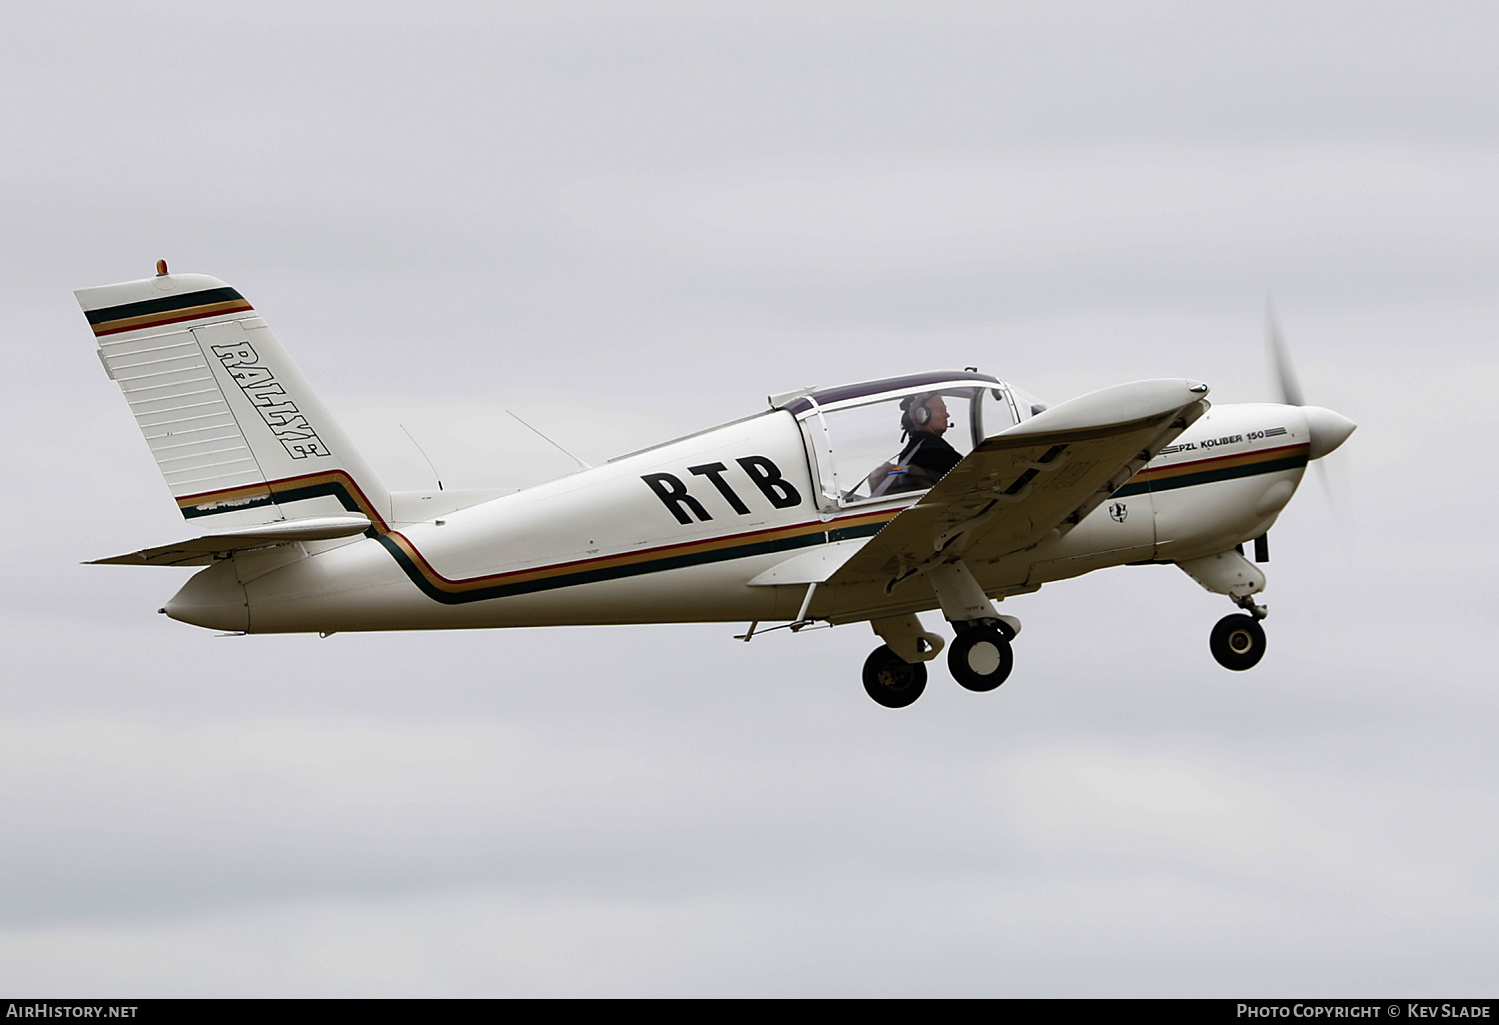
[926, 458]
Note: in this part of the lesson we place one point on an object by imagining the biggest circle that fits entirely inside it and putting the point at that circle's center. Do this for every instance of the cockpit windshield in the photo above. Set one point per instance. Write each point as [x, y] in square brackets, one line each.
[903, 442]
[1026, 403]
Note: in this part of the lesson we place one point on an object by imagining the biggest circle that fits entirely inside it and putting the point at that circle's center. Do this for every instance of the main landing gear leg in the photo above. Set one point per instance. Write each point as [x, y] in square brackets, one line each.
[980, 657]
[1237, 641]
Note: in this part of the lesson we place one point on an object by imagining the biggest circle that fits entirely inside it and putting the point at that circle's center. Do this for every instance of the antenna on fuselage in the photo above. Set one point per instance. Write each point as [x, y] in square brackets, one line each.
[549, 441]
[423, 451]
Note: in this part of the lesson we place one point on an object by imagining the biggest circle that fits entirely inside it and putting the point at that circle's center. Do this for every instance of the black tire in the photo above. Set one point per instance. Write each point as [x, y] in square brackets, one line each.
[1238, 642]
[980, 658]
[891, 680]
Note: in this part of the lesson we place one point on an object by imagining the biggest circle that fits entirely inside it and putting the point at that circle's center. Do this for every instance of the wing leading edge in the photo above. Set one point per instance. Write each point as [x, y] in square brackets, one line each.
[1041, 476]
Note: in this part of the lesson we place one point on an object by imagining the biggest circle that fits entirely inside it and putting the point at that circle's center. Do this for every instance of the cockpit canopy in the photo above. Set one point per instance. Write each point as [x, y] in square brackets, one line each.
[879, 439]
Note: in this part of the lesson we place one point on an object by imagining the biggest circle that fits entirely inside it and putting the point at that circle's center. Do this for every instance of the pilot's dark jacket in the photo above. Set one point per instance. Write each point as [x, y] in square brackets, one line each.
[925, 460]
[932, 454]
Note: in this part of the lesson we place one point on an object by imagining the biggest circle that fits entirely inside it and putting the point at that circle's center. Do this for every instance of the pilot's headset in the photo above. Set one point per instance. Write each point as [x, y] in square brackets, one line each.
[914, 412]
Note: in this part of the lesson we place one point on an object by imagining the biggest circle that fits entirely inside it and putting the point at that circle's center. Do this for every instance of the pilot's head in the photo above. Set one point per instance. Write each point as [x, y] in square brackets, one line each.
[926, 413]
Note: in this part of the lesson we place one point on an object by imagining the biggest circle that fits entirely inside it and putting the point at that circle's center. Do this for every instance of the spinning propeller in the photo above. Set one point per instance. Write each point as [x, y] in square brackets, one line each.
[1326, 428]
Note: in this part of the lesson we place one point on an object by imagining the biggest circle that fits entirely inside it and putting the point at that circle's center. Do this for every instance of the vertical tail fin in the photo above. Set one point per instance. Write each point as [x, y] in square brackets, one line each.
[235, 428]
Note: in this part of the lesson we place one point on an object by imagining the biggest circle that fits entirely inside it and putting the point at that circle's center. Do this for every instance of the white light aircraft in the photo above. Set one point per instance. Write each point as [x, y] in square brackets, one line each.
[869, 502]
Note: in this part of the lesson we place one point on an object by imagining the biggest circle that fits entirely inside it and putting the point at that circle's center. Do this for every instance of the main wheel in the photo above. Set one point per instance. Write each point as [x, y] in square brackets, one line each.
[891, 680]
[980, 658]
[1238, 642]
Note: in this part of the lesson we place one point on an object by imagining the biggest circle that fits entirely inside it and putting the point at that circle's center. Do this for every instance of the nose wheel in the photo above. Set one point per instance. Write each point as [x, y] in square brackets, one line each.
[1238, 642]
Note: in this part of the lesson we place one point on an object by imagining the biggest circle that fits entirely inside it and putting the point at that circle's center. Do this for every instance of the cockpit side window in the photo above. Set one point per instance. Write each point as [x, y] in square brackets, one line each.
[898, 444]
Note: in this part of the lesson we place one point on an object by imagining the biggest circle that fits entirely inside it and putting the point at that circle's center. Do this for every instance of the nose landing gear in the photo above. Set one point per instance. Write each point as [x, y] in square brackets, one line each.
[1238, 642]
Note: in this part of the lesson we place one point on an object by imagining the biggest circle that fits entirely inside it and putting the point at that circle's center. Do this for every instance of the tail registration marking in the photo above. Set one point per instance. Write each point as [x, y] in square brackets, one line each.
[269, 398]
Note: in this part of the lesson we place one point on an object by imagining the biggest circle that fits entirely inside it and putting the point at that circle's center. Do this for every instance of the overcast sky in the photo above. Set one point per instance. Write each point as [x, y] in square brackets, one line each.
[627, 221]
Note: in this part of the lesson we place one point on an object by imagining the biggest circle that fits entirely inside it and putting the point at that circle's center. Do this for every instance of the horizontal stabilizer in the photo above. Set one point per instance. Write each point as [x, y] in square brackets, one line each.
[202, 551]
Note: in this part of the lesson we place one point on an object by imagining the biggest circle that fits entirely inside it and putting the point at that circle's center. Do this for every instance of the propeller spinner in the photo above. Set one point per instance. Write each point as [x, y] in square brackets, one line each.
[1328, 428]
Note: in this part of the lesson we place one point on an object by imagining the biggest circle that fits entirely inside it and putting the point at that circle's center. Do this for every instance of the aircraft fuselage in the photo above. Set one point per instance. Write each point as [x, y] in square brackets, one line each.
[703, 529]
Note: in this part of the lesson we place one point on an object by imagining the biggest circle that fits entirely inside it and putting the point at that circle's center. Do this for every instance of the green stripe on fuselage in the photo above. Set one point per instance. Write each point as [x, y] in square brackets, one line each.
[593, 576]
[1212, 476]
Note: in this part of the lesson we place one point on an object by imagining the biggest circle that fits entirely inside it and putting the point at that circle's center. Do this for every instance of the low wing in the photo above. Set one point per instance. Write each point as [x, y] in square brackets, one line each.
[201, 551]
[1043, 475]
